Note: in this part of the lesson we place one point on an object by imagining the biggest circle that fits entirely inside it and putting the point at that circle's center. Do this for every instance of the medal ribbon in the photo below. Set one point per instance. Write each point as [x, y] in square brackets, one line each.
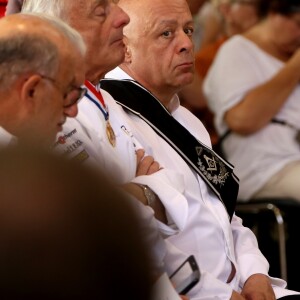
[96, 97]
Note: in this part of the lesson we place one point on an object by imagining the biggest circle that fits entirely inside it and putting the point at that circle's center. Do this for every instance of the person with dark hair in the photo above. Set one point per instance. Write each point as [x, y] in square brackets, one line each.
[39, 81]
[67, 232]
[253, 89]
[237, 17]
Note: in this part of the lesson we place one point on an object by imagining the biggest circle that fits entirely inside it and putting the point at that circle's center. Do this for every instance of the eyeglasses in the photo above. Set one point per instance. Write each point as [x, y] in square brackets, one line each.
[73, 96]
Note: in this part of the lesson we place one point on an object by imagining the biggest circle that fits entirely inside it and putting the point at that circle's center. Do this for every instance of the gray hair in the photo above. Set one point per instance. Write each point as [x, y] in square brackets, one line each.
[54, 8]
[22, 53]
[70, 33]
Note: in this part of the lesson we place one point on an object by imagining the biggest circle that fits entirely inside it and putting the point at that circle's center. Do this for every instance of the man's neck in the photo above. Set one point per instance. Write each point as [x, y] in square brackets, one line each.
[164, 95]
[94, 77]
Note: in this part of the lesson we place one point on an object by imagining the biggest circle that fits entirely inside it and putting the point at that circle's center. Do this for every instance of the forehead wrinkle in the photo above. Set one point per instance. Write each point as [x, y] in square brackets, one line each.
[87, 4]
[168, 23]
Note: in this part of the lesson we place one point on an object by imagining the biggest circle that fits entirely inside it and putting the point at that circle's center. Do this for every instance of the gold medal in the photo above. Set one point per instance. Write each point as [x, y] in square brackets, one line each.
[110, 134]
[96, 97]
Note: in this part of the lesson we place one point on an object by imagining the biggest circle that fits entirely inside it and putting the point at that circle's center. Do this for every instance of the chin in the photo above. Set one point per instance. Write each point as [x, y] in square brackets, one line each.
[114, 62]
[186, 79]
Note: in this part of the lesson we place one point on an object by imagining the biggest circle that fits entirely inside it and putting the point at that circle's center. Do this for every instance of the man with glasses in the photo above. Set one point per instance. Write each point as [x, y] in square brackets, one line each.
[40, 83]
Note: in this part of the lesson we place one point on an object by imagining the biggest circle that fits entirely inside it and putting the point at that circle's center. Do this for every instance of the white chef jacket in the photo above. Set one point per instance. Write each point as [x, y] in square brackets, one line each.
[84, 138]
[207, 233]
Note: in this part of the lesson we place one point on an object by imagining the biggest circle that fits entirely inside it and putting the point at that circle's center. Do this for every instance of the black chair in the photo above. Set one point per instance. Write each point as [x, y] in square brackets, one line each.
[275, 222]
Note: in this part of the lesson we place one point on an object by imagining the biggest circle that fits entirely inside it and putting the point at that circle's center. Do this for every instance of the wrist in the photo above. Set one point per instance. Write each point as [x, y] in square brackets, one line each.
[149, 194]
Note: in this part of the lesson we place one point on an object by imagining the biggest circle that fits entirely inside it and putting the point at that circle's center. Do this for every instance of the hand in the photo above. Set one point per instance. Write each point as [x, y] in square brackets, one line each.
[146, 165]
[184, 297]
[258, 287]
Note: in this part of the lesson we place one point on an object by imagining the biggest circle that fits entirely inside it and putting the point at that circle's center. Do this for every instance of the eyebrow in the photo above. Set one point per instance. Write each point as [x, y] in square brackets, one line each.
[173, 22]
[101, 2]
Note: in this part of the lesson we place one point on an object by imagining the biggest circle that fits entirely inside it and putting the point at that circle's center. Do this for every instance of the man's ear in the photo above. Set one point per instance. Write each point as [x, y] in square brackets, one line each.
[29, 89]
[127, 59]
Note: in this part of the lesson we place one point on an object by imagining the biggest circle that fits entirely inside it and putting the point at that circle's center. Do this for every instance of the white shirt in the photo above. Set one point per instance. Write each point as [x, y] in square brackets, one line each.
[207, 233]
[240, 66]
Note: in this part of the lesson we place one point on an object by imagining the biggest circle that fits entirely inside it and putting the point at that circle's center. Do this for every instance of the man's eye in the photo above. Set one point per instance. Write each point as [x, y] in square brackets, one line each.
[166, 33]
[189, 31]
[99, 11]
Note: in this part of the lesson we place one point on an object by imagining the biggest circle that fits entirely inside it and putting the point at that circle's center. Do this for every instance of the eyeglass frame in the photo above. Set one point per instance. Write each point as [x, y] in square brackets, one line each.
[82, 90]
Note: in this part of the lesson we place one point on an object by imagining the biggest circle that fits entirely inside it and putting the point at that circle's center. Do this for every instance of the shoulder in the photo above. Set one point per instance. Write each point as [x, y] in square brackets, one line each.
[192, 124]
[235, 47]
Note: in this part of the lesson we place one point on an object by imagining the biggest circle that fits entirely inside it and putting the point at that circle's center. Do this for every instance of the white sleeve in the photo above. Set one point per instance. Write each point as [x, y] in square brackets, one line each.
[163, 289]
[169, 187]
[153, 238]
[233, 73]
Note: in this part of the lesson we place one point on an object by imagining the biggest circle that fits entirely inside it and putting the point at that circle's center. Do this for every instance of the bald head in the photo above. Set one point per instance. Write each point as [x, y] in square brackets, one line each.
[25, 24]
[149, 9]
[159, 48]
[22, 40]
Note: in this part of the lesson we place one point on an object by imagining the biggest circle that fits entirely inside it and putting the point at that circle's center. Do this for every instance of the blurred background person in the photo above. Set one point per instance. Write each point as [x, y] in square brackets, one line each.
[196, 7]
[253, 89]
[66, 232]
[236, 16]
[39, 82]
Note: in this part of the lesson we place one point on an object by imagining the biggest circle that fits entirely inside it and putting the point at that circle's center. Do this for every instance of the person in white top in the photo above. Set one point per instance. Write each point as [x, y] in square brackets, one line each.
[37, 90]
[159, 56]
[253, 89]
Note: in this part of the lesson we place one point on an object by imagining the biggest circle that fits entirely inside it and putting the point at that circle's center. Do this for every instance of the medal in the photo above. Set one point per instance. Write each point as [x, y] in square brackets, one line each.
[95, 96]
[110, 134]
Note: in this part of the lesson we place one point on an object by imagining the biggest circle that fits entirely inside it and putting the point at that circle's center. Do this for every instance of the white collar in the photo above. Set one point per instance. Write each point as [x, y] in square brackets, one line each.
[118, 73]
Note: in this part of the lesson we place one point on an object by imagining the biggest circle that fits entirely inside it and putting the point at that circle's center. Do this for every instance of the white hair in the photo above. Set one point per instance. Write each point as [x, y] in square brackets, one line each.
[54, 8]
[70, 33]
